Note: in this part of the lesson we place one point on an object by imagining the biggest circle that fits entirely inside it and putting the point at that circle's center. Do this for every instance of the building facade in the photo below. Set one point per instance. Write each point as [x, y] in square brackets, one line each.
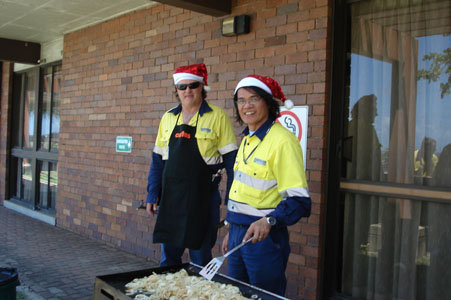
[374, 75]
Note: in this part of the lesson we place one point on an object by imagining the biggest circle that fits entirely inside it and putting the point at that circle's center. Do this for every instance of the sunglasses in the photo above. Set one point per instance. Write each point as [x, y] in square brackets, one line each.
[192, 86]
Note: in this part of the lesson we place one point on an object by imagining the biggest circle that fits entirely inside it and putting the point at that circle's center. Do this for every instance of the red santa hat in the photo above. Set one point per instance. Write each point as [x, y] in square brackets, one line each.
[267, 84]
[197, 72]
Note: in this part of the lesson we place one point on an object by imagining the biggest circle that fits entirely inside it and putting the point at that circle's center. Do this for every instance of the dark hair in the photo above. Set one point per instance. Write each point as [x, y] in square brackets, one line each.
[273, 104]
[365, 108]
[204, 94]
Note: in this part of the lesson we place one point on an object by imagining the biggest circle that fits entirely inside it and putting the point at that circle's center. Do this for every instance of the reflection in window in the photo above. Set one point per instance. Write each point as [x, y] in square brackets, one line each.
[369, 119]
[48, 184]
[433, 123]
[25, 173]
[50, 120]
[409, 126]
[56, 109]
[46, 107]
[29, 111]
[398, 130]
[389, 256]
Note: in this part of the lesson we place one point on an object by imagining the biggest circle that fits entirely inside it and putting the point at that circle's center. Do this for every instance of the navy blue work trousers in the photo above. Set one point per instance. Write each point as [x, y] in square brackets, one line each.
[261, 264]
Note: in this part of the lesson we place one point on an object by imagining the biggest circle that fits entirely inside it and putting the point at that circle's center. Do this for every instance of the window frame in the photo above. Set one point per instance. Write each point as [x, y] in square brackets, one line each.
[34, 154]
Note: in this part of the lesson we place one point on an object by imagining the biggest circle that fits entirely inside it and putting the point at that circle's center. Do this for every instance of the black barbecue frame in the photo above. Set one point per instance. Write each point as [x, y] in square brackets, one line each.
[112, 286]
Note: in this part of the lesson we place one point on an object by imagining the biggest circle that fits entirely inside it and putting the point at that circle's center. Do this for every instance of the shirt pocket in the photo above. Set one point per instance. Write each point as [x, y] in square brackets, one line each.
[253, 179]
[257, 168]
[207, 140]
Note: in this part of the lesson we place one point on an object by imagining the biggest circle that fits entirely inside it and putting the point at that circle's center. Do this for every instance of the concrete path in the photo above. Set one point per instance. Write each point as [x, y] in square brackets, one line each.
[56, 264]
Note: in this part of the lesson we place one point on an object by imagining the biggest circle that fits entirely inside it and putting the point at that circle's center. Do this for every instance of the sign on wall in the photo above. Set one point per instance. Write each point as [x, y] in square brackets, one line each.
[295, 120]
[124, 144]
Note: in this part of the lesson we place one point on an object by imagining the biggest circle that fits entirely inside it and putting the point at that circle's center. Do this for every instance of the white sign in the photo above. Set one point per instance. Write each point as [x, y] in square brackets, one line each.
[295, 120]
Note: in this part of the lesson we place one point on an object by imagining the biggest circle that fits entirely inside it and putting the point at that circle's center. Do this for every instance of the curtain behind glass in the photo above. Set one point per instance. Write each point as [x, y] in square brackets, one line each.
[387, 243]
[46, 108]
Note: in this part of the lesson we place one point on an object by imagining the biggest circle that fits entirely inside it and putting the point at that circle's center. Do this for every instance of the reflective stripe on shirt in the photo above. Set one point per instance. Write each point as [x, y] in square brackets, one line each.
[245, 209]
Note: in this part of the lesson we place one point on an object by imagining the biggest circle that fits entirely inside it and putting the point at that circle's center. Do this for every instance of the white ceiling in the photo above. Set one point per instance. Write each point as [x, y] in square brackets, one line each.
[43, 21]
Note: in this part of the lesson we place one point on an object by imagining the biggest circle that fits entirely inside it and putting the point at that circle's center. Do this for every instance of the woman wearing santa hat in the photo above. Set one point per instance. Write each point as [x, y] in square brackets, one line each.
[195, 142]
[269, 191]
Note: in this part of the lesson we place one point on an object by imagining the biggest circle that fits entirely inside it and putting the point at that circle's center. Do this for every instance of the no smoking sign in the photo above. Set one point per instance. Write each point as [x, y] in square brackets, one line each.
[295, 120]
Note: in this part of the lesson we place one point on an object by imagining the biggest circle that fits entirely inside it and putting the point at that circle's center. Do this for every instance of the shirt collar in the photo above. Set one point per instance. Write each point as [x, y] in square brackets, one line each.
[204, 108]
[262, 130]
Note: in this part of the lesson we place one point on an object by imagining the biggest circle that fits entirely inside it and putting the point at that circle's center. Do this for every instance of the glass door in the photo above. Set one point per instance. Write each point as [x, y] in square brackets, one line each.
[34, 153]
[393, 195]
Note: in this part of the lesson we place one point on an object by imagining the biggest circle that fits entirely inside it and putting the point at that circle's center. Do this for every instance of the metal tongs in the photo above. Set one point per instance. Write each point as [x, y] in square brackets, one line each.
[213, 266]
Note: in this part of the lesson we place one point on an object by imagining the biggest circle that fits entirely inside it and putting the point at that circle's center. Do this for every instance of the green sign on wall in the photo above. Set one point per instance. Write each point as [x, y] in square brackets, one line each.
[124, 144]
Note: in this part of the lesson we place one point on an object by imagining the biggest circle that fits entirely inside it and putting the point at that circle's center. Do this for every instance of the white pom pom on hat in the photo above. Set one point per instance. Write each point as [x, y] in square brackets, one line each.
[267, 84]
[288, 104]
[196, 72]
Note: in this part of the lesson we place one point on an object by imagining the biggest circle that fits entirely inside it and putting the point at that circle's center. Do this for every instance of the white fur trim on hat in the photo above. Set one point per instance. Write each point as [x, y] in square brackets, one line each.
[252, 81]
[288, 104]
[186, 76]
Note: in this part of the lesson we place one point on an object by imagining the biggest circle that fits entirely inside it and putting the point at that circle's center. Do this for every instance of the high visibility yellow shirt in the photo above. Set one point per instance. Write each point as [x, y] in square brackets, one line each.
[214, 132]
[266, 172]
[420, 165]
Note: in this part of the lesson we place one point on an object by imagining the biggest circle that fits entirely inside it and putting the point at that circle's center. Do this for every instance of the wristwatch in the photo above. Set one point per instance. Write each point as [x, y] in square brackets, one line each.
[271, 220]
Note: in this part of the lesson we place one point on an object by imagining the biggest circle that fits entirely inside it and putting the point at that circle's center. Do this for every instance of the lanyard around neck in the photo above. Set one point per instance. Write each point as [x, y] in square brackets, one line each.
[245, 159]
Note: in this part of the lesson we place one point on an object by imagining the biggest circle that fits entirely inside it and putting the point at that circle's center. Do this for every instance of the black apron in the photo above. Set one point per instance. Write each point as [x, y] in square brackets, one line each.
[184, 210]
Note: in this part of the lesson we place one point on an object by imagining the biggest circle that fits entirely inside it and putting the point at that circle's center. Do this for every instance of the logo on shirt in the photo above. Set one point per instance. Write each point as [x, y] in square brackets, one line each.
[182, 134]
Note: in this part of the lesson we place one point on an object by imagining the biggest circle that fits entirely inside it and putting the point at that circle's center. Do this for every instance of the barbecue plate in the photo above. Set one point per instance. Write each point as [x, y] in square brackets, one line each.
[112, 286]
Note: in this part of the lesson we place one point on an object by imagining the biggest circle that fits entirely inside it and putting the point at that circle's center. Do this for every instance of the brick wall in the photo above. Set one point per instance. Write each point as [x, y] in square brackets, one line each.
[118, 82]
[5, 110]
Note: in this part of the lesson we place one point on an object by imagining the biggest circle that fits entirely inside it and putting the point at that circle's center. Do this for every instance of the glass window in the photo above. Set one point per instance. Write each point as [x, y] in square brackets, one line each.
[46, 108]
[50, 121]
[26, 180]
[433, 123]
[399, 97]
[397, 138]
[29, 111]
[396, 248]
[56, 108]
[36, 124]
[48, 183]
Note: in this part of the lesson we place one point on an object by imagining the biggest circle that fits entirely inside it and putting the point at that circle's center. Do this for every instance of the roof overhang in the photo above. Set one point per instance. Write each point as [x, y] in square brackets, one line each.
[215, 8]
[20, 51]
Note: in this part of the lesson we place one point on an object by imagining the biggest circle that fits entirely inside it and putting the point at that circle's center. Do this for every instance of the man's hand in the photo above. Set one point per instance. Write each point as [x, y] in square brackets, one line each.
[259, 230]
[225, 244]
[151, 209]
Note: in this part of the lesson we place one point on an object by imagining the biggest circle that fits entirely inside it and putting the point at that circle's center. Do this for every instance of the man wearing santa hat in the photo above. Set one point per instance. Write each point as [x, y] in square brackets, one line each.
[269, 191]
[195, 142]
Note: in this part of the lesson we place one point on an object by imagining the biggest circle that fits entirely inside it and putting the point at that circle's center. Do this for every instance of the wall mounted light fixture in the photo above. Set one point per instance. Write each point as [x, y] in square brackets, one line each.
[235, 25]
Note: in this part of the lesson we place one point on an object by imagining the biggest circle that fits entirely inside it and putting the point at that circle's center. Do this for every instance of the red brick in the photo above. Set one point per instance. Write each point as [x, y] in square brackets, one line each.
[264, 52]
[275, 41]
[265, 33]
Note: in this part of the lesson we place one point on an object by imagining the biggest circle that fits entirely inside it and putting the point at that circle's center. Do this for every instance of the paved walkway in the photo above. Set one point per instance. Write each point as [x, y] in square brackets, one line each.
[56, 264]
